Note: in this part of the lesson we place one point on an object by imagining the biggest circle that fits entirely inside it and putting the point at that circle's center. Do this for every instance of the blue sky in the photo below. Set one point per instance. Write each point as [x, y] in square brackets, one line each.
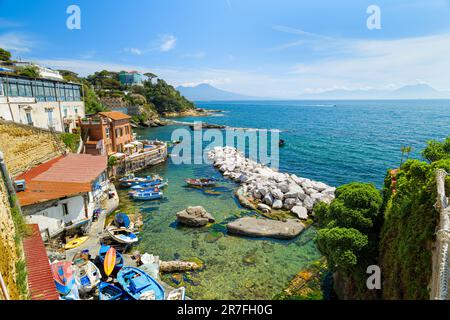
[258, 47]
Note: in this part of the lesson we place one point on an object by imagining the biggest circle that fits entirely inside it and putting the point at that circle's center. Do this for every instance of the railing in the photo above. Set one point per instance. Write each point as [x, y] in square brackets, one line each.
[439, 289]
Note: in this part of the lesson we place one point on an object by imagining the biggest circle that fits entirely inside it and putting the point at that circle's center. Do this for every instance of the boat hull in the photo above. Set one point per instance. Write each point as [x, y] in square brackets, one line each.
[139, 284]
[63, 275]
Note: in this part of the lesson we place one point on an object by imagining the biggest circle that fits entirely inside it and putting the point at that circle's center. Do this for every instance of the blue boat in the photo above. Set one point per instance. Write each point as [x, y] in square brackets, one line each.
[131, 180]
[122, 220]
[119, 259]
[150, 185]
[146, 195]
[107, 291]
[139, 285]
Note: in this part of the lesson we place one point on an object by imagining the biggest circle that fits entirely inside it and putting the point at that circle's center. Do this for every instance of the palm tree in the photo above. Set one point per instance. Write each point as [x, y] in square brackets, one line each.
[407, 150]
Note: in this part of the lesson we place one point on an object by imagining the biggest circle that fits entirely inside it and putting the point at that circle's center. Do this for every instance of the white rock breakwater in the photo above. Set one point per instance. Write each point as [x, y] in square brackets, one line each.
[265, 189]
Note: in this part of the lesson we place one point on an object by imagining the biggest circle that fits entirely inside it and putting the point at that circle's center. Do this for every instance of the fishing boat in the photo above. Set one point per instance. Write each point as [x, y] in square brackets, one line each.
[122, 220]
[132, 180]
[139, 285]
[150, 185]
[201, 183]
[110, 261]
[146, 195]
[122, 235]
[119, 259]
[107, 291]
[177, 294]
[87, 276]
[63, 275]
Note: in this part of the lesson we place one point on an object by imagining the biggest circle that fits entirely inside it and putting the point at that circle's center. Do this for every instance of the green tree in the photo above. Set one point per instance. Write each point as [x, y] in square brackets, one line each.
[28, 71]
[405, 150]
[436, 150]
[5, 55]
[348, 230]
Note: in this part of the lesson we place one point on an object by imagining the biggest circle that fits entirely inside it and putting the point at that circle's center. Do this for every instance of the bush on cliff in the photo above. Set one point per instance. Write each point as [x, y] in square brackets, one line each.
[349, 229]
[408, 231]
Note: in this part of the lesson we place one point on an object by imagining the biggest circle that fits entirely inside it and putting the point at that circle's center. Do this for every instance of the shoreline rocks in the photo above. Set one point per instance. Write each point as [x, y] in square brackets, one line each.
[266, 189]
[195, 217]
[254, 227]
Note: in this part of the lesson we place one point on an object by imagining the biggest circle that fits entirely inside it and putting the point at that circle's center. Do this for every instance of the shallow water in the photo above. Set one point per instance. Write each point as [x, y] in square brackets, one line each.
[333, 142]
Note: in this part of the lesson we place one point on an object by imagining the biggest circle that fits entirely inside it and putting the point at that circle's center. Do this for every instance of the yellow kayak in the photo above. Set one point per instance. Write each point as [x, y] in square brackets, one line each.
[75, 243]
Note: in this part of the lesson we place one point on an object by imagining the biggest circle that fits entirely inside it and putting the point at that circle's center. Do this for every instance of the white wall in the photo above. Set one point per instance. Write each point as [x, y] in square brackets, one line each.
[53, 217]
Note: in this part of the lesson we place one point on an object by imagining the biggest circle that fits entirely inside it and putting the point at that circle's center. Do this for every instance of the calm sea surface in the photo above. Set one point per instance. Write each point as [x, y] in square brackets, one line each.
[331, 141]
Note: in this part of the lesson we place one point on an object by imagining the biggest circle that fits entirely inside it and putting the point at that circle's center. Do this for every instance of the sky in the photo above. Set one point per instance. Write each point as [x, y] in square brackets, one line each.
[262, 48]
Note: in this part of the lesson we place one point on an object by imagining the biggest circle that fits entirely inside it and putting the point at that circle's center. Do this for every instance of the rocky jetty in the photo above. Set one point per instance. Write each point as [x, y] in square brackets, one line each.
[195, 217]
[254, 227]
[266, 189]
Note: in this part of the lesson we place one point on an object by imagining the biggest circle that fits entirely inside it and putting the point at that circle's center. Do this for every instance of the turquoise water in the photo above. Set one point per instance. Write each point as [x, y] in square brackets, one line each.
[334, 142]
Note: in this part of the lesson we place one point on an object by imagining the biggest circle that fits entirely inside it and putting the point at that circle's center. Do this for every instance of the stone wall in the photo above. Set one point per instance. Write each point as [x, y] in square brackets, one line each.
[8, 253]
[25, 147]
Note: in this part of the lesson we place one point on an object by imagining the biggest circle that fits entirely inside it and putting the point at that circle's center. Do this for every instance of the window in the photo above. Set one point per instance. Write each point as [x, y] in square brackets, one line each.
[76, 111]
[107, 132]
[29, 119]
[65, 208]
[66, 112]
[1, 90]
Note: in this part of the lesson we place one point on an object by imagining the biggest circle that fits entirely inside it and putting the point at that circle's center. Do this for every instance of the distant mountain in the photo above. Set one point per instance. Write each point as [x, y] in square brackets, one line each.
[416, 91]
[207, 92]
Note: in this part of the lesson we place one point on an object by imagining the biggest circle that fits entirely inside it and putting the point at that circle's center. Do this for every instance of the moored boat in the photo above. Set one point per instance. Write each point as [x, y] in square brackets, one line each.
[122, 235]
[150, 185]
[87, 276]
[146, 195]
[107, 291]
[132, 180]
[201, 183]
[139, 285]
[119, 259]
[75, 243]
[122, 220]
[63, 275]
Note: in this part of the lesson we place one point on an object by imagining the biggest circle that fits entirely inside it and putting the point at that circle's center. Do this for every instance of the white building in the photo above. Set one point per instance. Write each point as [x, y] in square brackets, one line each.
[44, 72]
[63, 193]
[46, 104]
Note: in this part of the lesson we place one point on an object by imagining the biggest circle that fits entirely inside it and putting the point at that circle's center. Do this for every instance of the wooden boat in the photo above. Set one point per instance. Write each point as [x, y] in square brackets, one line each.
[119, 259]
[110, 261]
[150, 185]
[107, 291]
[75, 243]
[131, 180]
[139, 285]
[177, 294]
[146, 195]
[87, 276]
[122, 220]
[122, 235]
[201, 183]
[63, 274]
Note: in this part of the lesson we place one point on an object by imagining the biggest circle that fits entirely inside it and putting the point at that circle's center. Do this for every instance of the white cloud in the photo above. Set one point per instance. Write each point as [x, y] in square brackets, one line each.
[168, 42]
[15, 42]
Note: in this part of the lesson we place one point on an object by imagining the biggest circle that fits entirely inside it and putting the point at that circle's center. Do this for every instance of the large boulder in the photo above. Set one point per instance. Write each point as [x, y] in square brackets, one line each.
[277, 194]
[268, 199]
[194, 217]
[277, 204]
[254, 227]
[289, 203]
[300, 212]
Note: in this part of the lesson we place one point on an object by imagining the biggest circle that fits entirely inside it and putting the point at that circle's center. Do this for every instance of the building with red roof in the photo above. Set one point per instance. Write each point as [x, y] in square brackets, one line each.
[63, 192]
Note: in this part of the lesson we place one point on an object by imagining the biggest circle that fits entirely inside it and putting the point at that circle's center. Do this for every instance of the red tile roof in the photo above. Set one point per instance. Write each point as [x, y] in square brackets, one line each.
[115, 115]
[40, 278]
[61, 177]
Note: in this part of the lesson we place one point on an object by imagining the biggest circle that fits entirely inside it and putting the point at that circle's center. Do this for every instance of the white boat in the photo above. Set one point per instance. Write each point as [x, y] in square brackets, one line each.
[87, 276]
[122, 235]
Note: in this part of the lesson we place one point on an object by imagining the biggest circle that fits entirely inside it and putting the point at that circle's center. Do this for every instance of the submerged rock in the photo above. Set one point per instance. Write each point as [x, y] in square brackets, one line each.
[195, 217]
[266, 228]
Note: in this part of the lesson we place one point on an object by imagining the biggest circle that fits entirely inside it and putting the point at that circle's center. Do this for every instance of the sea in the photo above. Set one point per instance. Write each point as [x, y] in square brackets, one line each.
[335, 142]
